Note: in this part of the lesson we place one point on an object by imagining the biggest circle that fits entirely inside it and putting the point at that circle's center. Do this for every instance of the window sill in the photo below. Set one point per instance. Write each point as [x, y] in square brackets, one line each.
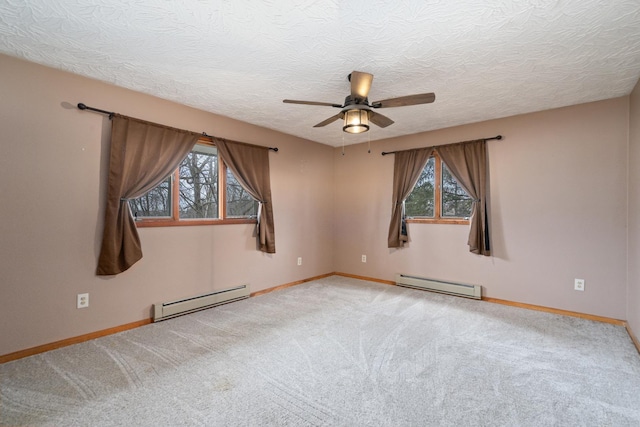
[460, 221]
[172, 223]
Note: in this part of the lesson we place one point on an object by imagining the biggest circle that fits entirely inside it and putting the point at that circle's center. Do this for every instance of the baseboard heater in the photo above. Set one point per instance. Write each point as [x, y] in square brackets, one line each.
[458, 289]
[167, 310]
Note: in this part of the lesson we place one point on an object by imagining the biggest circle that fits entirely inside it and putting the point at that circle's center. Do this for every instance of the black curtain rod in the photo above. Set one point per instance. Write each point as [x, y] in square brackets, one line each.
[497, 137]
[82, 106]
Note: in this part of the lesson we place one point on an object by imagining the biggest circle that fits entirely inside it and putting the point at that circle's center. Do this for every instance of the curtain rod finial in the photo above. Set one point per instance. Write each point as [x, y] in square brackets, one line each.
[82, 106]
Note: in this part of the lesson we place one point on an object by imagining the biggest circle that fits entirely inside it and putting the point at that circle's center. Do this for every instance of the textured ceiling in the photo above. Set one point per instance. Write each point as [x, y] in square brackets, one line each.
[240, 58]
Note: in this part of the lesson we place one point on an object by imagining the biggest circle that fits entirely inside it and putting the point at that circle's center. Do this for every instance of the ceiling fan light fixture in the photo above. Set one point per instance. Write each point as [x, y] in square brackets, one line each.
[356, 121]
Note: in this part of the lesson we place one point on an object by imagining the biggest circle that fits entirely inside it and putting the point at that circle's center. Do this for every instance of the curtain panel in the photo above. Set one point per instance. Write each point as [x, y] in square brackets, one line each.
[250, 165]
[407, 167]
[467, 161]
[142, 155]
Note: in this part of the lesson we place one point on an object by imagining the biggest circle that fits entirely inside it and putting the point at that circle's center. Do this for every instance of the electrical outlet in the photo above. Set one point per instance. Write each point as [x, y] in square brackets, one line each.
[364, 258]
[83, 301]
[578, 285]
[299, 260]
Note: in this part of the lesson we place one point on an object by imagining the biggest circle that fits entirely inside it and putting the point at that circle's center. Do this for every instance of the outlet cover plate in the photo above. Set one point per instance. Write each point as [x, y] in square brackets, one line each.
[578, 285]
[83, 301]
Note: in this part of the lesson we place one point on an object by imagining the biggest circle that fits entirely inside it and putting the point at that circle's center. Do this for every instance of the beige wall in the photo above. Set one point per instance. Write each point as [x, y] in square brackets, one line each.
[53, 167]
[558, 211]
[633, 296]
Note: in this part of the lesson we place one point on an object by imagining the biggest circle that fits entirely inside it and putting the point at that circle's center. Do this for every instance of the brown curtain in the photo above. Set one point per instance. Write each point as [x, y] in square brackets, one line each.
[467, 161]
[407, 167]
[250, 165]
[142, 155]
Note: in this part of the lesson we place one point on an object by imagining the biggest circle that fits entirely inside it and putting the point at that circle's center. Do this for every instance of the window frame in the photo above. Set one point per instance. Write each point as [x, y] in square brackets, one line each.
[176, 221]
[437, 209]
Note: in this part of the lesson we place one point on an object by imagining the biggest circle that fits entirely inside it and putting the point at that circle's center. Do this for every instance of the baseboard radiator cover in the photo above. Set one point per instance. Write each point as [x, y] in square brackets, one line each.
[167, 310]
[451, 288]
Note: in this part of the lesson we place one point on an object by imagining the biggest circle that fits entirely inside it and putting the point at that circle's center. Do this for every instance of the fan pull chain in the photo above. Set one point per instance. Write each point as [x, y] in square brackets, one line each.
[369, 140]
[343, 144]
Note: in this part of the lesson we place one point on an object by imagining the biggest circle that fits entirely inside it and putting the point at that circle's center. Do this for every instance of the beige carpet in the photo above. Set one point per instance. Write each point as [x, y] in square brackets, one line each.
[337, 352]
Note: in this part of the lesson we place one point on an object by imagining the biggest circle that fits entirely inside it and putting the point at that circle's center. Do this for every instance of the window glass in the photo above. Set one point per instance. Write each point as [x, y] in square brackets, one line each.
[198, 192]
[239, 202]
[154, 204]
[199, 183]
[437, 196]
[456, 203]
[421, 201]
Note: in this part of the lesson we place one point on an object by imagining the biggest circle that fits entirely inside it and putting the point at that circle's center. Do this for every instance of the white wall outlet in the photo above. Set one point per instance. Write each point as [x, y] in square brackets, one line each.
[83, 301]
[299, 260]
[578, 285]
[364, 258]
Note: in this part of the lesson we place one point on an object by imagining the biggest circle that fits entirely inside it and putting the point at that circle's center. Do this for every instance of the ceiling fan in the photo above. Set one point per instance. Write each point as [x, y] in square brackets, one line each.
[357, 112]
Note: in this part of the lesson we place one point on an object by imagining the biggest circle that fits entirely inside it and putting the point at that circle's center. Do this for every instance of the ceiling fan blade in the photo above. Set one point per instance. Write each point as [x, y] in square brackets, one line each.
[360, 84]
[329, 120]
[402, 101]
[326, 104]
[380, 120]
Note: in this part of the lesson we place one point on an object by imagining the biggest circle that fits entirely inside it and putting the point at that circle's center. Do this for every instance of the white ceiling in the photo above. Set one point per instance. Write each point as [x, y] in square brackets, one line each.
[484, 59]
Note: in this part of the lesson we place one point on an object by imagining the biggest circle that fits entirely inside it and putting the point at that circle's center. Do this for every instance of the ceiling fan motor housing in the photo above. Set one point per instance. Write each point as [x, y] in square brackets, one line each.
[350, 101]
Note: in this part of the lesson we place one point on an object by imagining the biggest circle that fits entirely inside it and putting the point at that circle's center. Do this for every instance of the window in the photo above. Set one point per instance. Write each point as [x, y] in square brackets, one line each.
[201, 191]
[437, 197]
